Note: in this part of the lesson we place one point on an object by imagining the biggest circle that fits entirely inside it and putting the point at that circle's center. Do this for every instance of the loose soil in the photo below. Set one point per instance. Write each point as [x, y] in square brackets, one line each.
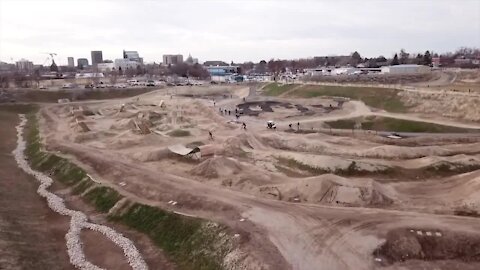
[31, 235]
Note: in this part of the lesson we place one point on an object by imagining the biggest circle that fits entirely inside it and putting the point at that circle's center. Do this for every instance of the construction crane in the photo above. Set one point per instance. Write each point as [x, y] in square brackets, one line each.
[49, 58]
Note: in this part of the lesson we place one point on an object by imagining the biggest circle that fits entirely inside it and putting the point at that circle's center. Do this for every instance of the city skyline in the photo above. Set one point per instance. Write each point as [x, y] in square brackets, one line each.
[248, 31]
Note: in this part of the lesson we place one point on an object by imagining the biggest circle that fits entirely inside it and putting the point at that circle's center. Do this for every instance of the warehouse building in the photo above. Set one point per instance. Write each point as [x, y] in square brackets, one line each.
[405, 69]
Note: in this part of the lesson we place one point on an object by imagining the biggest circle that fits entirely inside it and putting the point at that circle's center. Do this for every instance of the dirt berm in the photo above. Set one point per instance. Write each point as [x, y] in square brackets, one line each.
[217, 167]
[332, 189]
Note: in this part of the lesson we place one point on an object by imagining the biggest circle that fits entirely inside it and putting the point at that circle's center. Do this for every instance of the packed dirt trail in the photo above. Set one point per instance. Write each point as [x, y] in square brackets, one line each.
[295, 234]
[429, 120]
[308, 236]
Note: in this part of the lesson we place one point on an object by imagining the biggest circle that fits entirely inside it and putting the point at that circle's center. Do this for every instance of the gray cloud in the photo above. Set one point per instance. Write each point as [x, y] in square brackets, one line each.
[234, 30]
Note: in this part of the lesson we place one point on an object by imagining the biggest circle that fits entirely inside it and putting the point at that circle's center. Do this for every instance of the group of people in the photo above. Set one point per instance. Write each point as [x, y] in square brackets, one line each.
[229, 112]
[298, 125]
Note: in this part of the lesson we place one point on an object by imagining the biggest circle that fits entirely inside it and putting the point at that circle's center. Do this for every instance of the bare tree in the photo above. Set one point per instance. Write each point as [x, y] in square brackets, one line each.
[403, 56]
[113, 77]
[5, 80]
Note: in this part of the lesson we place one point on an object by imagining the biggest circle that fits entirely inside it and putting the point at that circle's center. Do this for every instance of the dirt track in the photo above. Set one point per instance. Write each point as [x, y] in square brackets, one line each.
[297, 231]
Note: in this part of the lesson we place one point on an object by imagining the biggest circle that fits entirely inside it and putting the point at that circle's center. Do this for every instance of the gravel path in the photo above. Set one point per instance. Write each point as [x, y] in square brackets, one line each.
[78, 220]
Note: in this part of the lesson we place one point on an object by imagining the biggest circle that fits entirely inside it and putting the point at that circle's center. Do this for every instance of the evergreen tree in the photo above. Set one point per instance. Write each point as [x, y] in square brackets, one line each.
[395, 60]
[419, 59]
[427, 59]
[404, 56]
[356, 58]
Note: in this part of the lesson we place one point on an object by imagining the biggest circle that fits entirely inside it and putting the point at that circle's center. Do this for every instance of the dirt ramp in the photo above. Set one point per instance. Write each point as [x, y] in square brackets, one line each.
[236, 146]
[217, 167]
[123, 124]
[152, 155]
[429, 244]
[332, 189]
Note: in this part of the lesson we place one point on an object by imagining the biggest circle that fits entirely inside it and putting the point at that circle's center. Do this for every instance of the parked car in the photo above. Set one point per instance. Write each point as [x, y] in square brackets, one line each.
[42, 87]
[150, 83]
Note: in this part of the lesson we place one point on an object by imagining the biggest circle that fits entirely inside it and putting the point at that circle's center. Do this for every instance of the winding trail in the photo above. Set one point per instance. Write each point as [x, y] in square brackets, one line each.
[79, 220]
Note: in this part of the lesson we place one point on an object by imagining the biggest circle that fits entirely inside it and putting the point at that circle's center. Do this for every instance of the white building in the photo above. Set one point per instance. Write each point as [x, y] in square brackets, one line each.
[106, 67]
[132, 56]
[89, 75]
[71, 62]
[405, 69]
[24, 65]
[344, 71]
[125, 64]
[172, 59]
[320, 71]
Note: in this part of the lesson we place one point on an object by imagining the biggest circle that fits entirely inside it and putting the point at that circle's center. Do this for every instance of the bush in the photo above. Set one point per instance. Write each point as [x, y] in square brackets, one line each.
[179, 133]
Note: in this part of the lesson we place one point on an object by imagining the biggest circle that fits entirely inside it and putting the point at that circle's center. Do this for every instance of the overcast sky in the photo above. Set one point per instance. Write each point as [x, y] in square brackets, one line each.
[233, 30]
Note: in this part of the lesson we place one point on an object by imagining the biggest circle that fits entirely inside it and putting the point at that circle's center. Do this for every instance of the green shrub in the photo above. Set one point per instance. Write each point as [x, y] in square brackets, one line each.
[179, 133]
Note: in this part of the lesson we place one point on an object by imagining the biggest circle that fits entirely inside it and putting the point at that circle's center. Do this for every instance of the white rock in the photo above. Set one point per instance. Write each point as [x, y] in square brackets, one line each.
[78, 220]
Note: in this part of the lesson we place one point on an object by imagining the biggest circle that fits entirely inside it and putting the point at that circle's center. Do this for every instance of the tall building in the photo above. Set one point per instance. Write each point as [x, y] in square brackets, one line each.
[132, 56]
[24, 65]
[190, 60]
[82, 62]
[71, 62]
[6, 67]
[97, 58]
[172, 59]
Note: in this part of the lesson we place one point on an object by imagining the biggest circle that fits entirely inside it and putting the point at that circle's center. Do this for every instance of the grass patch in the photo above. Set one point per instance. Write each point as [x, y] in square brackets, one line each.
[82, 186]
[351, 170]
[18, 108]
[275, 89]
[103, 198]
[466, 210]
[191, 243]
[396, 125]
[194, 144]
[179, 133]
[452, 168]
[32, 95]
[382, 98]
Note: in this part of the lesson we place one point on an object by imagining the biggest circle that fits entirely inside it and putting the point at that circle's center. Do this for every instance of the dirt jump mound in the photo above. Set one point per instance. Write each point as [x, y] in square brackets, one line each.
[429, 244]
[217, 167]
[332, 189]
[236, 146]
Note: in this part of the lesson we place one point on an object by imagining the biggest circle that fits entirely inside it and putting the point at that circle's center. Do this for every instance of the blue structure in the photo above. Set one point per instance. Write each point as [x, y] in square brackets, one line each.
[222, 70]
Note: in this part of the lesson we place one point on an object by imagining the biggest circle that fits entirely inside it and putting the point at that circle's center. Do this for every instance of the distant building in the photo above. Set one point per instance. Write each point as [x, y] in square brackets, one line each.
[24, 65]
[222, 73]
[6, 67]
[82, 62]
[97, 58]
[132, 56]
[71, 62]
[125, 64]
[89, 75]
[214, 63]
[172, 59]
[462, 61]
[105, 67]
[344, 71]
[190, 60]
[405, 69]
